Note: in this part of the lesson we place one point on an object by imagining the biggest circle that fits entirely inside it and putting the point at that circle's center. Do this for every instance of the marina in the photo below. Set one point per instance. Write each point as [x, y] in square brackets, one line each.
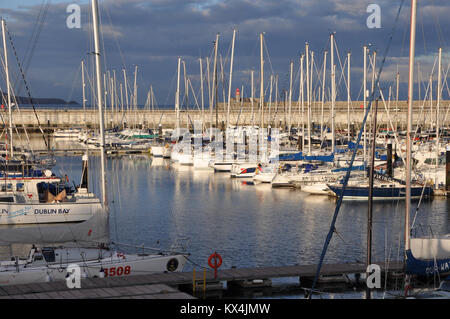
[331, 182]
[185, 204]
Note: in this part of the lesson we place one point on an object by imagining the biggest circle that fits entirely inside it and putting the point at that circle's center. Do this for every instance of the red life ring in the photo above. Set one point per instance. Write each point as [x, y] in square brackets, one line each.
[218, 261]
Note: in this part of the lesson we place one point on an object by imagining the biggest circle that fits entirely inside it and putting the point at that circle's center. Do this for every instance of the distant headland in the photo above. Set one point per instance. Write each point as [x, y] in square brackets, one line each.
[22, 100]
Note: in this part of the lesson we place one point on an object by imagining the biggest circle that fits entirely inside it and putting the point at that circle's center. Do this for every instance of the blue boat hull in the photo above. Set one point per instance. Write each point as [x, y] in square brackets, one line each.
[426, 267]
[380, 193]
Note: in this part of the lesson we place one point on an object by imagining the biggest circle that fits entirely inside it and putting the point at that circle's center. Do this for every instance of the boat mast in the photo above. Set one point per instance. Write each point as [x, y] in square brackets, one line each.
[121, 103]
[333, 90]
[177, 101]
[308, 93]
[135, 96]
[348, 96]
[201, 91]
[370, 204]
[409, 123]
[125, 84]
[431, 100]
[269, 122]
[111, 98]
[276, 98]
[8, 87]
[115, 102]
[311, 94]
[252, 98]
[152, 101]
[261, 36]
[186, 92]
[208, 78]
[95, 20]
[438, 102]
[374, 59]
[302, 99]
[397, 80]
[365, 101]
[83, 87]
[231, 77]
[214, 88]
[323, 92]
[105, 93]
[290, 98]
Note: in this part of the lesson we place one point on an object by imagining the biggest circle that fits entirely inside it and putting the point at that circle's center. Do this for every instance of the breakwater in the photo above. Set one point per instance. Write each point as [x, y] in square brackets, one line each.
[276, 115]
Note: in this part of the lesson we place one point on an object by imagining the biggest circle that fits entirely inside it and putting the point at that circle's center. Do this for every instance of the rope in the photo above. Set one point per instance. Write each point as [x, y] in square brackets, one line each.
[26, 87]
[345, 242]
[195, 264]
[39, 23]
[418, 205]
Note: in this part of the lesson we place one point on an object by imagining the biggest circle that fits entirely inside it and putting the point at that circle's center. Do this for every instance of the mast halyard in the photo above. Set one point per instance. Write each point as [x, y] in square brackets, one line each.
[8, 87]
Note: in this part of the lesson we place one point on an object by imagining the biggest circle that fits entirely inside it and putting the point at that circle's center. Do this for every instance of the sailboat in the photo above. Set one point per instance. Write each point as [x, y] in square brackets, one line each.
[431, 260]
[49, 263]
[29, 195]
[423, 256]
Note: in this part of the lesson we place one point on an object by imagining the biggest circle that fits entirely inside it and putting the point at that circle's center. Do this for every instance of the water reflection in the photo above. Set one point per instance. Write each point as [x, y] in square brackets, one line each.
[154, 202]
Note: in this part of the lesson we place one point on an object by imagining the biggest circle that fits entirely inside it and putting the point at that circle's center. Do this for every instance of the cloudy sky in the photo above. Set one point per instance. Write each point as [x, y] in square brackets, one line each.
[151, 34]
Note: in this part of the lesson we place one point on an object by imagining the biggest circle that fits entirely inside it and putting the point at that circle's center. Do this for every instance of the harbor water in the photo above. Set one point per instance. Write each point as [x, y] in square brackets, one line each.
[154, 202]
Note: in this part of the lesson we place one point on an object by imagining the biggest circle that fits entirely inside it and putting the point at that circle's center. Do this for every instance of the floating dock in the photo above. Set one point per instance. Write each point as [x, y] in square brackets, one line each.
[167, 285]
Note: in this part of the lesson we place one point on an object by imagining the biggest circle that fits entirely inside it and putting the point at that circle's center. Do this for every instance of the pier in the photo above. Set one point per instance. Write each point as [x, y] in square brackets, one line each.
[168, 285]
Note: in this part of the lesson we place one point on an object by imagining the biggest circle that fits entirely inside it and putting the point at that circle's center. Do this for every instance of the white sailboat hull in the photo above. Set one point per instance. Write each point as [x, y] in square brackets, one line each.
[316, 189]
[115, 266]
[186, 159]
[157, 151]
[264, 177]
[244, 170]
[202, 163]
[222, 166]
[45, 213]
[281, 181]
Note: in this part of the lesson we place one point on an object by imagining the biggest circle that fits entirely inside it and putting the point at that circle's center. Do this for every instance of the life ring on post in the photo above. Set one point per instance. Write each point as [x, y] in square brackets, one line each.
[218, 261]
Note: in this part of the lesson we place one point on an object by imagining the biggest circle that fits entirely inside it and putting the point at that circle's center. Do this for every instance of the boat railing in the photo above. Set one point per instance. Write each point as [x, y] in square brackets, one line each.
[180, 246]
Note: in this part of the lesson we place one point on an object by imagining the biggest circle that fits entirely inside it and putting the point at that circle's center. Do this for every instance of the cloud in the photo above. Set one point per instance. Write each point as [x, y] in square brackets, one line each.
[152, 34]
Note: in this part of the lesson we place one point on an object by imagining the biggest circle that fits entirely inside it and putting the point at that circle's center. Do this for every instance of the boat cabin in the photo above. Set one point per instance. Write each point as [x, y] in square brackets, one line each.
[35, 190]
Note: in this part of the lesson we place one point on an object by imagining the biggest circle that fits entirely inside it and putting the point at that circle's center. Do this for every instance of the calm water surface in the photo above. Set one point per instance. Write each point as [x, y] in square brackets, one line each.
[154, 202]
